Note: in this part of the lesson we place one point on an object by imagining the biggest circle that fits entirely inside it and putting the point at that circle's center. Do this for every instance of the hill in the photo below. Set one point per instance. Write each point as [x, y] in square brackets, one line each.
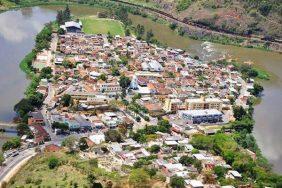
[260, 17]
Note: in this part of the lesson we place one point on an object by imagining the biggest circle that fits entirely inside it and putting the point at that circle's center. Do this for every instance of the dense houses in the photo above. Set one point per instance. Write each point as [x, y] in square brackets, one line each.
[163, 83]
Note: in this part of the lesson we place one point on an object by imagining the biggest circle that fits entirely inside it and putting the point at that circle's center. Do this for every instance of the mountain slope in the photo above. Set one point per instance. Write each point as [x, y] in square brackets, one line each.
[260, 17]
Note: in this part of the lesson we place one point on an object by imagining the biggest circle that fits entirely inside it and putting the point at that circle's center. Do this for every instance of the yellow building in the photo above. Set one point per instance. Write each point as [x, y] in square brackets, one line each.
[203, 103]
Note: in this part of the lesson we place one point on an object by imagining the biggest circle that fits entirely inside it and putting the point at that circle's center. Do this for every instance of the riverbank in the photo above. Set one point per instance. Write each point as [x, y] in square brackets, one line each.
[263, 116]
[189, 30]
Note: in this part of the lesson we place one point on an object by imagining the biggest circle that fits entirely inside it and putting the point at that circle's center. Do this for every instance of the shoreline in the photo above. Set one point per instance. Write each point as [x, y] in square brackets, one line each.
[24, 67]
[214, 39]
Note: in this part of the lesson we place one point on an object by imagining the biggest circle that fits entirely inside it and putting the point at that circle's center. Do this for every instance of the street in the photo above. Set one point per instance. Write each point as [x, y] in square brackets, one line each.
[12, 162]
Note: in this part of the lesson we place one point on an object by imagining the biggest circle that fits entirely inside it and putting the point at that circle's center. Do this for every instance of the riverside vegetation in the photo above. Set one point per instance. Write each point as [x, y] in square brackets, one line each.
[228, 146]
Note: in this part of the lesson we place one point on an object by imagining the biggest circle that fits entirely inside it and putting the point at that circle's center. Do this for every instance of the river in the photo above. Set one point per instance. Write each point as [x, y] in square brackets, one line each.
[18, 29]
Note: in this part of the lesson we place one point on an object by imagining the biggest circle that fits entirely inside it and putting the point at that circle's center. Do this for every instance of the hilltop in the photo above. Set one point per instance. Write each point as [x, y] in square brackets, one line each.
[237, 16]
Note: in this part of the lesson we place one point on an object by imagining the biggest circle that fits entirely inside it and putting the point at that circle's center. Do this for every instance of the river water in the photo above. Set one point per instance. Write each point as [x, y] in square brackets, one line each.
[18, 29]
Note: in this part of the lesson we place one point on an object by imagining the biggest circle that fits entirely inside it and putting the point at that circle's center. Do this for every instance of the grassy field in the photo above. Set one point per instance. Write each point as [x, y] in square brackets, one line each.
[37, 173]
[102, 26]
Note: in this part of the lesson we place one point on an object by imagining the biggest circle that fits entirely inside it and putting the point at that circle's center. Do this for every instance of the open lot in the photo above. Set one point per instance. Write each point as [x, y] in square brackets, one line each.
[102, 26]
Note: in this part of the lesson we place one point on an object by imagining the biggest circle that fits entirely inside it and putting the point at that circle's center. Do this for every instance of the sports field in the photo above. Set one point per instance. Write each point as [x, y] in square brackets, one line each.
[102, 26]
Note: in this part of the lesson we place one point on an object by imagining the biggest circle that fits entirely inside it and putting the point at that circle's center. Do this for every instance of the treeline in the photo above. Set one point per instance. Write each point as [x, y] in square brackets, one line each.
[253, 172]
[63, 15]
[33, 98]
[142, 135]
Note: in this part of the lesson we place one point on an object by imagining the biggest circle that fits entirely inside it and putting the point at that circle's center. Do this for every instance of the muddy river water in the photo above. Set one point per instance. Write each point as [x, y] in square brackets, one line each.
[19, 27]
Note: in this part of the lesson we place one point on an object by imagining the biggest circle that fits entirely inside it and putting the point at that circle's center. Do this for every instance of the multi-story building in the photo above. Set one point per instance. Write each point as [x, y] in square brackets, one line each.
[112, 87]
[172, 105]
[204, 103]
[201, 116]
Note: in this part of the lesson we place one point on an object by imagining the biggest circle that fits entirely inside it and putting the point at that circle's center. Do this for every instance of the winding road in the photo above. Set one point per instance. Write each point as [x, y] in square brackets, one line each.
[13, 164]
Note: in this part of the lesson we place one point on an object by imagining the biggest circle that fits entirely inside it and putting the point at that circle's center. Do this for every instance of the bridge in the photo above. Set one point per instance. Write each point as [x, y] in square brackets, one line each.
[7, 125]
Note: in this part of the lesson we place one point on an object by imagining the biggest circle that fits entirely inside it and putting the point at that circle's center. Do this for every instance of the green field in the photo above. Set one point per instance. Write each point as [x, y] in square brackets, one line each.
[102, 26]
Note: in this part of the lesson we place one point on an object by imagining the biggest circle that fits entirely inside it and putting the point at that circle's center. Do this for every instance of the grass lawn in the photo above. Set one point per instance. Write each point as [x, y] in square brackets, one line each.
[102, 26]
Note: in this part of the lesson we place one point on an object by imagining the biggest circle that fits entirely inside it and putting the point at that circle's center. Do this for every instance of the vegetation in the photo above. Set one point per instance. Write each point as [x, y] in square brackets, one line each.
[70, 143]
[13, 143]
[177, 182]
[53, 162]
[83, 146]
[66, 100]
[23, 129]
[102, 26]
[183, 4]
[139, 178]
[61, 126]
[113, 136]
[141, 134]
[63, 15]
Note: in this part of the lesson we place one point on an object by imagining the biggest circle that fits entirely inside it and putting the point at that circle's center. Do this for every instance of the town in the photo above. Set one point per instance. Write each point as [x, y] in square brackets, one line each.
[127, 102]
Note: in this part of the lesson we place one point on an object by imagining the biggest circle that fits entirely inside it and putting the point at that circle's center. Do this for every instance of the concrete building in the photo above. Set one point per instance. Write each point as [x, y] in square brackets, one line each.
[204, 103]
[201, 116]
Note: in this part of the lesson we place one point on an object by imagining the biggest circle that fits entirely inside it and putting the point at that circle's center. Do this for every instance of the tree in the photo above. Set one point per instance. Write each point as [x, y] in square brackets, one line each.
[155, 148]
[83, 146]
[177, 182]
[61, 31]
[92, 181]
[70, 142]
[11, 144]
[122, 15]
[219, 171]
[186, 160]
[149, 35]
[198, 165]
[36, 99]
[46, 72]
[61, 126]
[66, 100]
[23, 107]
[256, 91]
[124, 81]
[59, 17]
[244, 124]
[139, 178]
[127, 32]
[209, 178]
[113, 136]
[2, 159]
[53, 162]
[67, 13]
[239, 112]
[23, 129]
[173, 26]
[115, 72]
[139, 30]
[102, 77]
[138, 119]
[164, 126]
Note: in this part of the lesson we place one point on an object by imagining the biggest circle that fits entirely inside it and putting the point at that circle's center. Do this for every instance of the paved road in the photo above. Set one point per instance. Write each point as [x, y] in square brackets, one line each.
[12, 162]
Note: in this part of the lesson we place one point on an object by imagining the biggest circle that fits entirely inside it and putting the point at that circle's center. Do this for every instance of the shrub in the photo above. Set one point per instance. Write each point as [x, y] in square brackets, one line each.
[53, 162]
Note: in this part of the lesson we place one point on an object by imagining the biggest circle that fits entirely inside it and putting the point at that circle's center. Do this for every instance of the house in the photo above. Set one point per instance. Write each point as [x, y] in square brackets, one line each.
[97, 138]
[52, 148]
[40, 134]
[111, 87]
[194, 183]
[72, 27]
[233, 174]
[35, 118]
